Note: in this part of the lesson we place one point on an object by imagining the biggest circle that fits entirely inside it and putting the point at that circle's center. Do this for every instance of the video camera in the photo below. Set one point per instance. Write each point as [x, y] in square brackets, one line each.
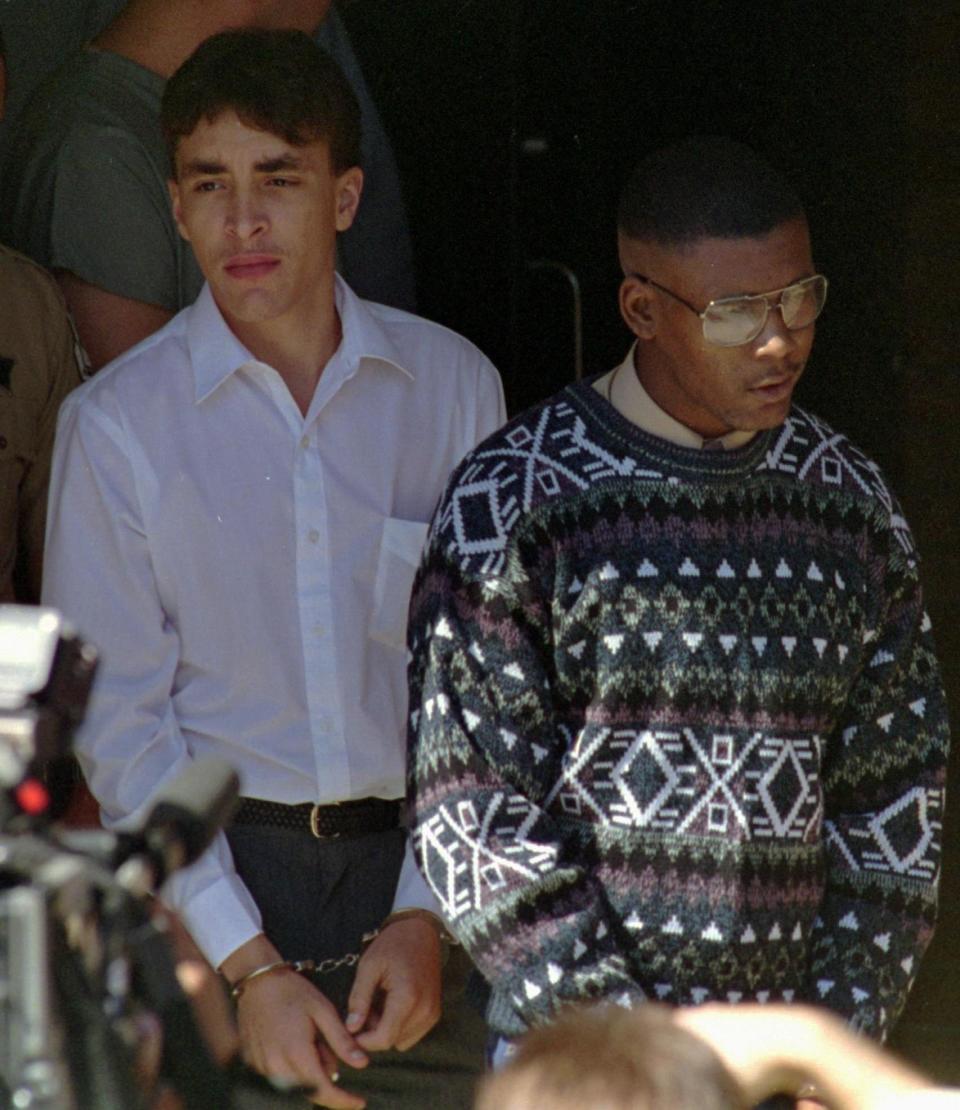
[83, 961]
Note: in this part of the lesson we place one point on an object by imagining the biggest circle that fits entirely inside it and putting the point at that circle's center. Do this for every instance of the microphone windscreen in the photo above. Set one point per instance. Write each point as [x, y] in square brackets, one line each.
[195, 805]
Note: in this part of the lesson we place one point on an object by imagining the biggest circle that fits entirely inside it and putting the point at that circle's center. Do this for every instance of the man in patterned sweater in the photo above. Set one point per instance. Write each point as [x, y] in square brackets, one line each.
[677, 726]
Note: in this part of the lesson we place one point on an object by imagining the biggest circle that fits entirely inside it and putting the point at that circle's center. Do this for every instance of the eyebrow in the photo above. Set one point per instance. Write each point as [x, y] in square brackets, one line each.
[281, 162]
[197, 167]
[200, 167]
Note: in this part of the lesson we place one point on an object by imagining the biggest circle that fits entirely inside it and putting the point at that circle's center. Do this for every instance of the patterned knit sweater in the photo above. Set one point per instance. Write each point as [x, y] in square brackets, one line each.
[677, 728]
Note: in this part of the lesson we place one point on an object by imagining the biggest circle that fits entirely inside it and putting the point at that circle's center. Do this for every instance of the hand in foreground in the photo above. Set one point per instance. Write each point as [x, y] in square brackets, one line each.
[775, 1048]
[289, 1031]
[396, 997]
[754, 1043]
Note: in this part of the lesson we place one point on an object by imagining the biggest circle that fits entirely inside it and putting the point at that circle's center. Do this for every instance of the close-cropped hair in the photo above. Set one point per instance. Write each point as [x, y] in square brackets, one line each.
[609, 1058]
[704, 187]
[281, 82]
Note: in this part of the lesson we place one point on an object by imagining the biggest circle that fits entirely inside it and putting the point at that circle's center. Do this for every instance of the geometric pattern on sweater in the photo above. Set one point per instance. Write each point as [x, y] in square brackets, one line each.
[675, 781]
[676, 723]
[555, 452]
[901, 839]
[461, 858]
[468, 854]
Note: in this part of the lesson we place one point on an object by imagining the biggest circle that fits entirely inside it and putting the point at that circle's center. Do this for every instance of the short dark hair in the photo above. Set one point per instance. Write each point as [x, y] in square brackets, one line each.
[608, 1056]
[704, 187]
[276, 81]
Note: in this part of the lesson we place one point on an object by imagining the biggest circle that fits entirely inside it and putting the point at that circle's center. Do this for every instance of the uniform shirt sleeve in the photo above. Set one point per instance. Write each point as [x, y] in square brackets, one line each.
[98, 573]
[883, 778]
[39, 365]
[58, 373]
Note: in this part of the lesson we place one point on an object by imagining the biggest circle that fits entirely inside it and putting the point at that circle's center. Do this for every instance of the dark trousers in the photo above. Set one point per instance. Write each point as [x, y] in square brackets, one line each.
[318, 898]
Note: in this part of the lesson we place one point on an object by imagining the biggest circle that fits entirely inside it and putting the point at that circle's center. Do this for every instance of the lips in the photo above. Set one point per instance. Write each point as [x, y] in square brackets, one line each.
[249, 267]
[775, 389]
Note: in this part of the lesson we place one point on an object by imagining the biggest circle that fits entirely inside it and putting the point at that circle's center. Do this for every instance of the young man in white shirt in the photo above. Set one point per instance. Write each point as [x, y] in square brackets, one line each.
[237, 509]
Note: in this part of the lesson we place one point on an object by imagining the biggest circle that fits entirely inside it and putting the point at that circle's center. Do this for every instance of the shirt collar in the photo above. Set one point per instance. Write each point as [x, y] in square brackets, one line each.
[216, 353]
[635, 403]
[363, 333]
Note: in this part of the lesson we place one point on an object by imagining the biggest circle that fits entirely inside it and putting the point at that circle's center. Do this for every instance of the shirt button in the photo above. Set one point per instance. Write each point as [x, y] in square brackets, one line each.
[313, 536]
[305, 442]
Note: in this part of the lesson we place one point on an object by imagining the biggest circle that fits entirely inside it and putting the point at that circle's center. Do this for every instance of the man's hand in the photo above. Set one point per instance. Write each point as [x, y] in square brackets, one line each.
[396, 999]
[288, 1030]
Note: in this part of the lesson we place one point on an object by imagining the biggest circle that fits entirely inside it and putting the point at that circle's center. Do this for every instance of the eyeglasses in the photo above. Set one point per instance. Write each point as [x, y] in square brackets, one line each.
[733, 321]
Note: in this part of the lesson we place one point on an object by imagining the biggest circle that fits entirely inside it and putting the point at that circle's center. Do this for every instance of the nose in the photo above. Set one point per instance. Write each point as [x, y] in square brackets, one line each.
[776, 341]
[245, 217]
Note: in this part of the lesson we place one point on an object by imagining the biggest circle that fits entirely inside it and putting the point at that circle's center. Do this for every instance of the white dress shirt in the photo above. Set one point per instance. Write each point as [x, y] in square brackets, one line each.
[246, 570]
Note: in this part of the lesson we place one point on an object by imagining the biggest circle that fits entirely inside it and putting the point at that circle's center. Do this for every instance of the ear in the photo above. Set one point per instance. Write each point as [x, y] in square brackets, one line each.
[349, 186]
[637, 307]
[174, 187]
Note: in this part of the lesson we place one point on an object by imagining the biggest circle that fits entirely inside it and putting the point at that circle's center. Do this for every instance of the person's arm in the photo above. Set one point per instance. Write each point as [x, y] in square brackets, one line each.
[485, 748]
[884, 771]
[403, 965]
[99, 573]
[108, 324]
[775, 1049]
[102, 223]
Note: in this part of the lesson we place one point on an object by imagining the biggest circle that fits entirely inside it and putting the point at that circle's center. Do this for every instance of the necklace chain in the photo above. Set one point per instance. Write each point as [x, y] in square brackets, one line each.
[610, 381]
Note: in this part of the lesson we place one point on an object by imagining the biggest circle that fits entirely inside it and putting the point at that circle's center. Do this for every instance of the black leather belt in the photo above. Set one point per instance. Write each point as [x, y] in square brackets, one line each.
[326, 822]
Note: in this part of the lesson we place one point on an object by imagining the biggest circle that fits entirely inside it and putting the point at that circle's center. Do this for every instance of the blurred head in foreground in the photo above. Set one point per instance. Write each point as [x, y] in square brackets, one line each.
[609, 1058]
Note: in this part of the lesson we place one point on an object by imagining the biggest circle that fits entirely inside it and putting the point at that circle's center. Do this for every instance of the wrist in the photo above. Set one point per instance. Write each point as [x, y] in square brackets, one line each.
[418, 913]
[256, 952]
[271, 968]
[413, 913]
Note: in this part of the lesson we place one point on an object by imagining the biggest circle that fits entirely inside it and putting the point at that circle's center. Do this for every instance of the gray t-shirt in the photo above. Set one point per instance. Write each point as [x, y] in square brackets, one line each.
[84, 186]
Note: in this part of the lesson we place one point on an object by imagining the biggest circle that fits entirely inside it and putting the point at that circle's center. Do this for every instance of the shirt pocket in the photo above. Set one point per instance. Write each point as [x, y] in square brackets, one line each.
[401, 545]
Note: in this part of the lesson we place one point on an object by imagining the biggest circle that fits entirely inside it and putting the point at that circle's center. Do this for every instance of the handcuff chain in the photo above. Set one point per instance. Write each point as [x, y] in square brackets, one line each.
[351, 959]
[324, 967]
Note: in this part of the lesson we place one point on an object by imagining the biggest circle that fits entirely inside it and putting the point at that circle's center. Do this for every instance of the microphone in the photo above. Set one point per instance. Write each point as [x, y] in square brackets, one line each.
[186, 816]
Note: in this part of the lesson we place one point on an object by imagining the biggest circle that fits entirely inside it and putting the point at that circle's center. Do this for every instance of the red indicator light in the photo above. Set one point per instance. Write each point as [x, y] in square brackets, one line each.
[32, 797]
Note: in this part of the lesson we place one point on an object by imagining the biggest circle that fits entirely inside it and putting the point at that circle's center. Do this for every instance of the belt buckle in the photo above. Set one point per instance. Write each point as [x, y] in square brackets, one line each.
[315, 827]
